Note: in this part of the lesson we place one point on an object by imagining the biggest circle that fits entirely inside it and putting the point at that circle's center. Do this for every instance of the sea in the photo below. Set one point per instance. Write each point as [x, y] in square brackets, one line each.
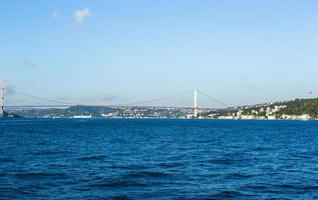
[158, 159]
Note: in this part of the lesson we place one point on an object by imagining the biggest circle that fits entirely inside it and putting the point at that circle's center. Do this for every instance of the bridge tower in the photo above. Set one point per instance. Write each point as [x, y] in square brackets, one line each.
[195, 103]
[1, 101]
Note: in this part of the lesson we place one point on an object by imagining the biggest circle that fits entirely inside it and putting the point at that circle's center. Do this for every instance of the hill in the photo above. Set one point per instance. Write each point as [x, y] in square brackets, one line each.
[301, 107]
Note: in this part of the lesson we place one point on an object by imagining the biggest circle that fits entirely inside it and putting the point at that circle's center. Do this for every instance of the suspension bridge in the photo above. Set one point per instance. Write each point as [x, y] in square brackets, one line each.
[54, 103]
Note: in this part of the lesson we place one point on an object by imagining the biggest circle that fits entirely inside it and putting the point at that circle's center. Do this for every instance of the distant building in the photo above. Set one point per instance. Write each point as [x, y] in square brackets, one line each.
[82, 116]
[226, 117]
[271, 117]
[239, 113]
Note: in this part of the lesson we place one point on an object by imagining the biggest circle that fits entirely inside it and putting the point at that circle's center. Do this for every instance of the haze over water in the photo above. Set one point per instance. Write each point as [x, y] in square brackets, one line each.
[158, 159]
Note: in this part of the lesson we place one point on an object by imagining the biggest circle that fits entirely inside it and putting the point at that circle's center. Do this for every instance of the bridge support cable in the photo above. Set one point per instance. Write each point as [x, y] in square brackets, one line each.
[156, 100]
[41, 98]
[213, 99]
[61, 104]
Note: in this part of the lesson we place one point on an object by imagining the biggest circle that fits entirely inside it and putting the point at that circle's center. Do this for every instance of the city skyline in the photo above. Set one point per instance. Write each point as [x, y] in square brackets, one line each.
[240, 52]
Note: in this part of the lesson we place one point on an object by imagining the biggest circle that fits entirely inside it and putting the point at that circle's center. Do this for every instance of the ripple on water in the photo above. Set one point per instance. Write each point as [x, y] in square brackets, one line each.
[116, 183]
[302, 188]
[228, 161]
[47, 152]
[225, 194]
[95, 157]
[238, 176]
[145, 174]
[231, 194]
[40, 175]
[13, 192]
[7, 160]
[168, 165]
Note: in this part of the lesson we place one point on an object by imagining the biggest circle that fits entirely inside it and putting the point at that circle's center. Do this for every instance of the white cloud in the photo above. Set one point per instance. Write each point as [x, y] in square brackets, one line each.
[80, 15]
[56, 14]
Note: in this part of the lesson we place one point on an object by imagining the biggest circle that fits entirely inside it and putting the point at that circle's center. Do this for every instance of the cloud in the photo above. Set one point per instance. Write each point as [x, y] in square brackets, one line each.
[56, 14]
[80, 15]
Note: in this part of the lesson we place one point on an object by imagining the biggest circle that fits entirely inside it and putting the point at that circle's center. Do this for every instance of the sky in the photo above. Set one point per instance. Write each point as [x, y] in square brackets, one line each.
[94, 51]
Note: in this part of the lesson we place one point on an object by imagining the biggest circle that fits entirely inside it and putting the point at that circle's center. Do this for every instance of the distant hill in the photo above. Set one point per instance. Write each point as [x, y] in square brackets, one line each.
[293, 109]
[107, 112]
[300, 107]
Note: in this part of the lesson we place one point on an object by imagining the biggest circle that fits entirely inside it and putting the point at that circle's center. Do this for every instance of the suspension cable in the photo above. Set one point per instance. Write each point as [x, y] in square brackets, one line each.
[158, 99]
[213, 99]
[124, 104]
[40, 98]
[70, 104]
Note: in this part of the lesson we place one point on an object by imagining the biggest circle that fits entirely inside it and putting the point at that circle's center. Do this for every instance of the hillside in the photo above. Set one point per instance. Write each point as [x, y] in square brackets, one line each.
[300, 107]
[107, 112]
[294, 109]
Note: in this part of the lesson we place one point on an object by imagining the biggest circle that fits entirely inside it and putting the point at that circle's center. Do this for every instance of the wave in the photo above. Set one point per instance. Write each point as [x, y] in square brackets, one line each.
[145, 174]
[225, 194]
[238, 176]
[7, 160]
[96, 157]
[118, 183]
[40, 175]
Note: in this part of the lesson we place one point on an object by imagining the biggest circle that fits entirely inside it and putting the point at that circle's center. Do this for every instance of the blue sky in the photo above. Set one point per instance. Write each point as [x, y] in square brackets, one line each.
[240, 52]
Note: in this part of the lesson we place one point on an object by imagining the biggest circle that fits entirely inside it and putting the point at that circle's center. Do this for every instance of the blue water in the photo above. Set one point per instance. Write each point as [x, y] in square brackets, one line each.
[158, 159]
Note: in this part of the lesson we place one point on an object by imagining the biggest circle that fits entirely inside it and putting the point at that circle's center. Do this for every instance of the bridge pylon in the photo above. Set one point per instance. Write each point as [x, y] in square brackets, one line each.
[195, 103]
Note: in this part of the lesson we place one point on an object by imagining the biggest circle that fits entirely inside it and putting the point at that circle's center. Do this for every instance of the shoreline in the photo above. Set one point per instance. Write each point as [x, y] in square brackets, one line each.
[151, 118]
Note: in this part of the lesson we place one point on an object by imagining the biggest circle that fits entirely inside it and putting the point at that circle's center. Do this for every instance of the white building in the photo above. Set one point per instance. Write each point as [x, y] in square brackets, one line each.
[226, 117]
[82, 116]
[271, 117]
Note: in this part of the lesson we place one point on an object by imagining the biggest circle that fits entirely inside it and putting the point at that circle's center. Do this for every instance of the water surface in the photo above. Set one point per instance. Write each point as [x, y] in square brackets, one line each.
[158, 159]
